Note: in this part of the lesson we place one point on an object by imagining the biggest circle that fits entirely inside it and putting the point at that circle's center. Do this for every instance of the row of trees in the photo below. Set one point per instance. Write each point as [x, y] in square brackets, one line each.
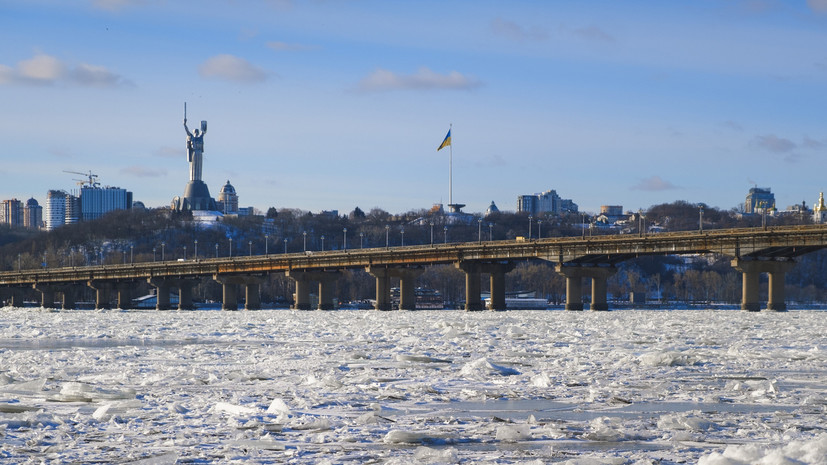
[152, 235]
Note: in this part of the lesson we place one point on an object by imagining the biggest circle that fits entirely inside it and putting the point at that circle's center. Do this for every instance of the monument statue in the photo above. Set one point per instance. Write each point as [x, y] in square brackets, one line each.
[195, 147]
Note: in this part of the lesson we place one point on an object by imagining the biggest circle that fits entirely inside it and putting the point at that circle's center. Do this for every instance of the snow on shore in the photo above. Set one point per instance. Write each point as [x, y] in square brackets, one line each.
[276, 386]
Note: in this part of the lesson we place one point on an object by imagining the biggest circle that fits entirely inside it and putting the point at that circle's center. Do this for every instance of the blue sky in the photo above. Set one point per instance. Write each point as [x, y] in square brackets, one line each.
[326, 104]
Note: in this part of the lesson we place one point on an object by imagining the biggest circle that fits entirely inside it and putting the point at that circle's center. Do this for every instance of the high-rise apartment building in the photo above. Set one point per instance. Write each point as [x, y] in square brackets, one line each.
[97, 201]
[11, 212]
[55, 210]
[32, 214]
[545, 202]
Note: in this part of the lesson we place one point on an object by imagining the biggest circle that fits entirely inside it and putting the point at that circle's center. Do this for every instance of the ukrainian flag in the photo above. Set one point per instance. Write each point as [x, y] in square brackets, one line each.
[446, 142]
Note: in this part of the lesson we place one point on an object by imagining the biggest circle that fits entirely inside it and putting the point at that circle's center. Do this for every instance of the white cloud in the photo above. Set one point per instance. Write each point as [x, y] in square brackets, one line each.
[593, 33]
[44, 69]
[231, 68]
[654, 183]
[514, 31]
[285, 47]
[424, 79]
[775, 144]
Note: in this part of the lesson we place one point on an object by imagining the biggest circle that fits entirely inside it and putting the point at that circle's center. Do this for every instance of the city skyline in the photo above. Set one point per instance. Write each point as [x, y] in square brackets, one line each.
[330, 106]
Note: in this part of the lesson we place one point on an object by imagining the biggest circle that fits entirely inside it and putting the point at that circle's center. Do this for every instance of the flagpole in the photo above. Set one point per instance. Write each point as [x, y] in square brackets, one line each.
[451, 167]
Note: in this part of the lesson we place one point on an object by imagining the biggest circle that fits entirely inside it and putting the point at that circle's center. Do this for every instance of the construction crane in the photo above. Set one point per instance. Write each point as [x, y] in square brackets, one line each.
[92, 179]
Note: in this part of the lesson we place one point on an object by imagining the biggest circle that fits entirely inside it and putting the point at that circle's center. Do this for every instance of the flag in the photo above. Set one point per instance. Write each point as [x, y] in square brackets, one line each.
[446, 142]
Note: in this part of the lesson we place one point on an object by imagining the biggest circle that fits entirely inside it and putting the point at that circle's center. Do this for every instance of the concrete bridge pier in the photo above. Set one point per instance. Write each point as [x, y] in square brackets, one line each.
[103, 291]
[124, 291]
[472, 271]
[407, 286]
[162, 287]
[185, 286]
[383, 286]
[13, 296]
[497, 273]
[751, 271]
[229, 287]
[47, 295]
[326, 285]
[574, 275]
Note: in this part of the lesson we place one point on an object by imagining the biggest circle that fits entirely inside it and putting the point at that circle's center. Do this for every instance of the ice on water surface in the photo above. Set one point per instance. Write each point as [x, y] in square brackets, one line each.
[282, 386]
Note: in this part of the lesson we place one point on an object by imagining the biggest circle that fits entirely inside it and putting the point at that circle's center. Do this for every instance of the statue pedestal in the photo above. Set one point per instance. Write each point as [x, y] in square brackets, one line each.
[196, 197]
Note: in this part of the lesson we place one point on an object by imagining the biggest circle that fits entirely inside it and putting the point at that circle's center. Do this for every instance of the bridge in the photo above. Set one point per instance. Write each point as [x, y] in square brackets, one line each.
[753, 251]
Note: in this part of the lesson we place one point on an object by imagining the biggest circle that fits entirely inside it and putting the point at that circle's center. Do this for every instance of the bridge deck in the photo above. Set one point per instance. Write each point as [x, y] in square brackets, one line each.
[745, 243]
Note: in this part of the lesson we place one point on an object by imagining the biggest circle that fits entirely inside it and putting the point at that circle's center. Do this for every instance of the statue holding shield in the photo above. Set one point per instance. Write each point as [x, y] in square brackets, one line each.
[195, 147]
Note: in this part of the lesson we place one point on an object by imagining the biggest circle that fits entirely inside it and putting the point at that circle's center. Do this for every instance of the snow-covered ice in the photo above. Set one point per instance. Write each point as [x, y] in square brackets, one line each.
[283, 386]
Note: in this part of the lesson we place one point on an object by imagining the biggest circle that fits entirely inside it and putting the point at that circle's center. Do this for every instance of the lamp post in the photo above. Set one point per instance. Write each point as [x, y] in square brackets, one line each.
[216, 250]
[230, 254]
[185, 252]
[479, 230]
[285, 245]
[18, 262]
[304, 233]
[539, 229]
[266, 244]
[344, 241]
[701, 218]
[403, 236]
[530, 218]
[387, 236]
[432, 233]
[445, 231]
[322, 242]
[131, 254]
[195, 255]
[361, 240]
[490, 231]
[250, 243]
[163, 247]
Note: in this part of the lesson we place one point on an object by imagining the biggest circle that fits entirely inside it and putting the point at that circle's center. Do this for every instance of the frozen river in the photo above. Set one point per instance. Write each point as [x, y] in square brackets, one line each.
[282, 386]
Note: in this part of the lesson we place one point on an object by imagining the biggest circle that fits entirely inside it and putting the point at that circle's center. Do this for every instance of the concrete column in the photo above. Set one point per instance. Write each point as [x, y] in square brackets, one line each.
[574, 284]
[383, 288]
[185, 294]
[407, 287]
[125, 292]
[600, 276]
[229, 286]
[252, 295]
[777, 291]
[497, 273]
[472, 285]
[750, 272]
[327, 288]
[67, 297]
[301, 299]
[102, 293]
[16, 297]
[162, 287]
[229, 296]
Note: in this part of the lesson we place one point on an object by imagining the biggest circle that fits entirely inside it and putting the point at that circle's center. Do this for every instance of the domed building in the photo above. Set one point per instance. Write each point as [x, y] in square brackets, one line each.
[228, 199]
[492, 209]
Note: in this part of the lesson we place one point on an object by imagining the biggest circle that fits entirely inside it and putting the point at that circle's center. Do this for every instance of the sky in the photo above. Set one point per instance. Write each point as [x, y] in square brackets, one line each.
[334, 104]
